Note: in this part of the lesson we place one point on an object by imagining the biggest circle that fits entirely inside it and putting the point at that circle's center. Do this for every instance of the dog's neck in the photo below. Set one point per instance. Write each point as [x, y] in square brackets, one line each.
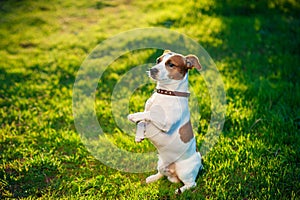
[174, 85]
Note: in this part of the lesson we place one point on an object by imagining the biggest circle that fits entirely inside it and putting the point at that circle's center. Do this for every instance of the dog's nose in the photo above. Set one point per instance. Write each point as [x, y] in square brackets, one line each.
[153, 72]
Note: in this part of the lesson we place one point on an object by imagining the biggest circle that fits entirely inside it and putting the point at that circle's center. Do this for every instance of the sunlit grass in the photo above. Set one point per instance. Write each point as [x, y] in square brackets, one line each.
[255, 47]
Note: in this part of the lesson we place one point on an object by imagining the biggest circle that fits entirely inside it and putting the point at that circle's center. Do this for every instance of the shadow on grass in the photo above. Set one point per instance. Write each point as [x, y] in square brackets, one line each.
[261, 54]
[26, 176]
[262, 40]
[29, 180]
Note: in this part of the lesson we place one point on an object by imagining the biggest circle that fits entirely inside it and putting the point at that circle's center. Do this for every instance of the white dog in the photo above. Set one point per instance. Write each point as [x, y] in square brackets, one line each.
[166, 121]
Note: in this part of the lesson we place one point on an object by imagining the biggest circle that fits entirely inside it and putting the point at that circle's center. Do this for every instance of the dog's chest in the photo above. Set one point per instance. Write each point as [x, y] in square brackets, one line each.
[171, 115]
[168, 104]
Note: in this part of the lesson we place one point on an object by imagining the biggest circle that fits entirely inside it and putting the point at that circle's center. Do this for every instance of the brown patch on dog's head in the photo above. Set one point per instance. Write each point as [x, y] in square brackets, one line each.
[186, 132]
[176, 66]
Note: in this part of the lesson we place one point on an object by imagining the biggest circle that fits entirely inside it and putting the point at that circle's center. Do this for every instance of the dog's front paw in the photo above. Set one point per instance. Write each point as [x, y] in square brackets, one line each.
[133, 117]
[139, 116]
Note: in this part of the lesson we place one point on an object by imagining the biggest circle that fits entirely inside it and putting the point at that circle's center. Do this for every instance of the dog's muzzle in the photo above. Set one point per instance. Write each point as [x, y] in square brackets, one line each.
[153, 72]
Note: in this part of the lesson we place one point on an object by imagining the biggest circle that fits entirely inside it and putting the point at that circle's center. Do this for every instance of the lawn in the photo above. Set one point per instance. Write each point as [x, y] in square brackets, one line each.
[255, 46]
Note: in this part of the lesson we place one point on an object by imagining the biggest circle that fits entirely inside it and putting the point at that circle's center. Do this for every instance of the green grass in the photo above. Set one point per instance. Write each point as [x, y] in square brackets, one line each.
[255, 46]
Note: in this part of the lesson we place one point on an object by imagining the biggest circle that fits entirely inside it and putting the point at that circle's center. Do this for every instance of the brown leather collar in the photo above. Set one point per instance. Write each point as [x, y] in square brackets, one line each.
[173, 93]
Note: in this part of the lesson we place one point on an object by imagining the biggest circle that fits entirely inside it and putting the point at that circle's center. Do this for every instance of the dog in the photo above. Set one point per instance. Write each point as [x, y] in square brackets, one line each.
[166, 121]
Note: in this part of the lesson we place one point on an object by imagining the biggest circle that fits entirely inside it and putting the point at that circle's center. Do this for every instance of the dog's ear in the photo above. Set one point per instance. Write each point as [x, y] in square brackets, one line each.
[192, 61]
[166, 51]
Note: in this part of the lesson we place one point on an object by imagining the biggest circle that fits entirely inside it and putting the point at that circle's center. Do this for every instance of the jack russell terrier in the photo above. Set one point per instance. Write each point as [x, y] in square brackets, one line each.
[166, 121]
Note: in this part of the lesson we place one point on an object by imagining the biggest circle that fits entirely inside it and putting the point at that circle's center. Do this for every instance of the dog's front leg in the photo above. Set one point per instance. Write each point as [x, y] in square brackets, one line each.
[140, 116]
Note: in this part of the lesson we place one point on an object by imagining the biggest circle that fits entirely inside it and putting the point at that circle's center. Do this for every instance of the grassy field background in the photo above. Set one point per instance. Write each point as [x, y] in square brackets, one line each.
[255, 46]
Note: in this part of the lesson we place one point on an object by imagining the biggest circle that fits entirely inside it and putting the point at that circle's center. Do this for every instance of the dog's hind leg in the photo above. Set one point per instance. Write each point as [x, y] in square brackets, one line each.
[173, 179]
[159, 174]
[154, 177]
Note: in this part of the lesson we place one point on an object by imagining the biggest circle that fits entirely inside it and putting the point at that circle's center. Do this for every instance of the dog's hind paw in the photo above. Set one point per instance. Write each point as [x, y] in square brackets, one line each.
[184, 188]
[153, 178]
[173, 179]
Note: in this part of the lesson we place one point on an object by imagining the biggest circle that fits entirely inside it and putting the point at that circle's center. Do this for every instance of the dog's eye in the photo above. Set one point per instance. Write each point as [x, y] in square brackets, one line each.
[171, 65]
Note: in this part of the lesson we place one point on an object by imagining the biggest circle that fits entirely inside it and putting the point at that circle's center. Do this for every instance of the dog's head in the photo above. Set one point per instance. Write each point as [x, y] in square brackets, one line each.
[173, 66]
